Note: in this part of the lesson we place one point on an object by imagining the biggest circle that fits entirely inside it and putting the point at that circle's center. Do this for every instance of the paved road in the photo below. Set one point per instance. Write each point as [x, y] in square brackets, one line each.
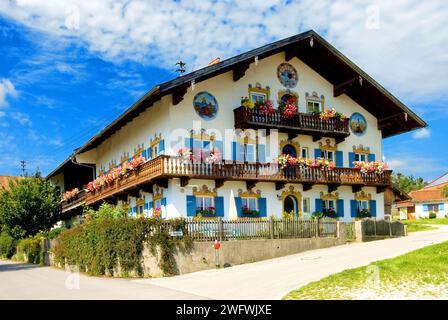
[270, 279]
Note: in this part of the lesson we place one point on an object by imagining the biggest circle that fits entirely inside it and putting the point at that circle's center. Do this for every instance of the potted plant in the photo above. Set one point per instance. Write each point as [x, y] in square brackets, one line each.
[364, 213]
[246, 210]
[288, 108]
[330, 212]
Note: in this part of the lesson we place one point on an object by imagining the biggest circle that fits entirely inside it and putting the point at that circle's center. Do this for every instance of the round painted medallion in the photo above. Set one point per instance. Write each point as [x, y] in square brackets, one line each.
[287, 75]
[358, 124]
[205, 105]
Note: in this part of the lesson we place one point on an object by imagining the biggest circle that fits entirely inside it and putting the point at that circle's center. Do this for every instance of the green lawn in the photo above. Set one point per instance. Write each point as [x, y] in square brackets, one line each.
[418, 227]
[426, 221]
[419, 274]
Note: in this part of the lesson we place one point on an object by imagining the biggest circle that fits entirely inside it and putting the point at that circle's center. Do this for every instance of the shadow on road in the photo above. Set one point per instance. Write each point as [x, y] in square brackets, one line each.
[17, 266]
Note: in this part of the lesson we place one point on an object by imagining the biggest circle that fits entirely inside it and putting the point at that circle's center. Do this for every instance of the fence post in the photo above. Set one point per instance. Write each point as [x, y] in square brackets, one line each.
[221, 229]
[317, 227]
[271, 227]
[360, 230]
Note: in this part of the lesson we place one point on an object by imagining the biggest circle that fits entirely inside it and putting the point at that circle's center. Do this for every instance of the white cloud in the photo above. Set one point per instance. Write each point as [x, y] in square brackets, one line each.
[410, 163]
[21, 118]
[7, 89]
[422, 134]
[403, 44]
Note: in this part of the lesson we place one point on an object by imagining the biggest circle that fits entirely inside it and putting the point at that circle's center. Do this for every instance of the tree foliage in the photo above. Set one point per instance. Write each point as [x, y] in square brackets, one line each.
[28, 206]
[408, 183]
[445, 192]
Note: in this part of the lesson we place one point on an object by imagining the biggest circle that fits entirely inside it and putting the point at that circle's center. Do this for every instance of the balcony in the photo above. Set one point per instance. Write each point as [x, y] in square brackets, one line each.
[301, 123]
[158, 170]
[75, 202]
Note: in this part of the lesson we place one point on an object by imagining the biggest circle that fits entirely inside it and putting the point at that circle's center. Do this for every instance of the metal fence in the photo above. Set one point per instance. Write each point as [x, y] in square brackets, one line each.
[267, 228]
[383, 228]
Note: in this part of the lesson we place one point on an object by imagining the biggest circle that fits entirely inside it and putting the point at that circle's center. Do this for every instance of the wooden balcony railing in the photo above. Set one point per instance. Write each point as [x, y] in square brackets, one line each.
[170, 167]
[301, 123]
[74, 202]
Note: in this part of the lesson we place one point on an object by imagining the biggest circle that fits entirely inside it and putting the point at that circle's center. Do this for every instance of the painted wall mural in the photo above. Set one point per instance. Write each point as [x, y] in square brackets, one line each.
[358, 124]
[287, 75]
[205, 105]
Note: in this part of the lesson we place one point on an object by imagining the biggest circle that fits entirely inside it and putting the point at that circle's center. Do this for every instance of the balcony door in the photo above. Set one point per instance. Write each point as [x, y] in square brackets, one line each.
[290, 204]
[289, 149]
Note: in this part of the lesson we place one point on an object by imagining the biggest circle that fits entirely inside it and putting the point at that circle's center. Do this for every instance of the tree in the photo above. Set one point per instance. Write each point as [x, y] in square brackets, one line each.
[28, 206]
[408, 183]
[445, 192]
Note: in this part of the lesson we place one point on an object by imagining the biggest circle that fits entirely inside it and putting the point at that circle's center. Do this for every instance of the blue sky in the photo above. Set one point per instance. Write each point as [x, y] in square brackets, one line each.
[68, 69]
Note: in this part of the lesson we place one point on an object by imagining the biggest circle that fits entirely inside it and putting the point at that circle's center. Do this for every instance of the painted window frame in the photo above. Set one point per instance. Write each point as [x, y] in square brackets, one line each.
[201, 199]
[307, 152]
[359, 156]
[246, 201]
[306, 205]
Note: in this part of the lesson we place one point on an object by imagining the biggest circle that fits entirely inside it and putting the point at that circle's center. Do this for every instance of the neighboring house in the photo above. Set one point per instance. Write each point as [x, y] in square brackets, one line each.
[227, 168]
[426, 200]
[392, 196]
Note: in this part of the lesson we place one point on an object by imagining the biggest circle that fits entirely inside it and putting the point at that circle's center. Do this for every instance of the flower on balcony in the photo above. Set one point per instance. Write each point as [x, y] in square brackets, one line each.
[288, 108]
[115, 174]
[370, 167]
[286, 160]
[330, 114]
[266, 107]
[70, 194]
[246, 103]
[185, 154]
[215, 156]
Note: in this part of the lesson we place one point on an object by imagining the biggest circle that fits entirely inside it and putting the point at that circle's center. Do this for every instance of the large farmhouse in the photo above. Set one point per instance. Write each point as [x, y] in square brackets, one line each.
[293, 126]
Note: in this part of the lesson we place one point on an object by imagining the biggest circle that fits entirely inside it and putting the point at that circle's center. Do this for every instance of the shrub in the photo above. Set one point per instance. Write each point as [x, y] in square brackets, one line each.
[7, 245]
[104, 243]
[432, 215]
[32, 248]
[54, 233]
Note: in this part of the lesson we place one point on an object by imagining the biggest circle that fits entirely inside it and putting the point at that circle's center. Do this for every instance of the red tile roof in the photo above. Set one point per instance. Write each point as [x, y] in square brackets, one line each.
[429, 193]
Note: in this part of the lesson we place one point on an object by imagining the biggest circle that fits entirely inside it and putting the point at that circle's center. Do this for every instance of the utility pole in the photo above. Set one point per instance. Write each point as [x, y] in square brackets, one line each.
[23, 166]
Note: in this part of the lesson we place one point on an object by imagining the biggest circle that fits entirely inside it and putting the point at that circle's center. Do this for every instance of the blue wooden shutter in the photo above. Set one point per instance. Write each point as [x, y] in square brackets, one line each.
[148, 152]
[191, 206]
[351, 158]
[219, 207]
[317, 153]
[340, 208]
[146, 206]
[236, 151]
[239, 206]
[164, 202]
[371, 157]
[219, 146]
[262, 206]
[373, 208]
[339, 159]
[319, 205]
[161, 147]
[353, 208]
[144, 154]
[441, 207]
[425, 207]
[261, 153]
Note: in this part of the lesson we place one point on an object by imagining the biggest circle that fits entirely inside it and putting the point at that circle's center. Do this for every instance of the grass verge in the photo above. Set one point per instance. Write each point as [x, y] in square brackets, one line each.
[418, 274]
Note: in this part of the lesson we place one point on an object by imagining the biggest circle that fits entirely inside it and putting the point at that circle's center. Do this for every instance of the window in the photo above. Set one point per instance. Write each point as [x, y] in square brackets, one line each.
[157, 204]
[140, 209]
[363, 205]
[328, 154]
[205, 203]
[248, 152]
[258, 97]
[249, 203]
[313, 106]
[360, 157]
[304, 152]
[432, 207]
[306, 205]
[329, 205]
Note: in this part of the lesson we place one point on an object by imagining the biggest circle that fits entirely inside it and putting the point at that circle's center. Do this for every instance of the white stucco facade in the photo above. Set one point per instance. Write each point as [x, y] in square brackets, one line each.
[163, 119]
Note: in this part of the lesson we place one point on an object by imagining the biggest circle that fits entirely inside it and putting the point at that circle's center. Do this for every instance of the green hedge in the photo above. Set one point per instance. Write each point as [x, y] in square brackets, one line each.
[7, 245]
[99, 245]
[31, 249]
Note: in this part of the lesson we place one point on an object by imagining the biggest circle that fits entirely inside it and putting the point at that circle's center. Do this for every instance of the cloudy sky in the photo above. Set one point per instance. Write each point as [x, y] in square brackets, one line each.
[67, 68]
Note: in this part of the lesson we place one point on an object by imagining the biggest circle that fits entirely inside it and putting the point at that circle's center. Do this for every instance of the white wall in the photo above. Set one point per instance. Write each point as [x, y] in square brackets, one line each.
[420, 213]
[163, 117]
